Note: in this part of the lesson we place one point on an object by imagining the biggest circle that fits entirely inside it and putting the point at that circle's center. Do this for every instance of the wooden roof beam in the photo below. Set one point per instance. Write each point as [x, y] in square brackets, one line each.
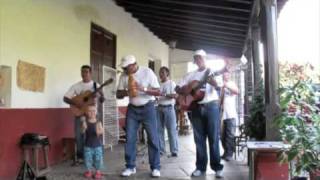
[194, 46]
[177, 27]
[240, 1]
[203, 5]
[194, 18]
[125, 3]
[240, 42]
[197, 37]
[146, 16]
[158, 28]
[210, 49]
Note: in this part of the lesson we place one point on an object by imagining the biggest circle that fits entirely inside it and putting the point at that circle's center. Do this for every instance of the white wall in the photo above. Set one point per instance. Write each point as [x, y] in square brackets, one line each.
[179, 59]
[56, 35]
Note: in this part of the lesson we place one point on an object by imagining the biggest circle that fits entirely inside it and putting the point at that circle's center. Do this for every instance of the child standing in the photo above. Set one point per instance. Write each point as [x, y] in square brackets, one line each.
[93, 155]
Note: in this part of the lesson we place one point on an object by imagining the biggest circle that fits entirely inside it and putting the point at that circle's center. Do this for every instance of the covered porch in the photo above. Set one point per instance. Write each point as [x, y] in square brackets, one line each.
[160, 33]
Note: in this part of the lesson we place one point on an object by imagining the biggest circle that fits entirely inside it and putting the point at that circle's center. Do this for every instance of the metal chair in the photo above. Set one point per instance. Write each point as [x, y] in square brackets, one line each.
[240, 141]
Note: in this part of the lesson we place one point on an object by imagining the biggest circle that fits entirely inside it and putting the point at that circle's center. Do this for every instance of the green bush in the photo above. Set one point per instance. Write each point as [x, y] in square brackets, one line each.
[299, 121]
[255, 126]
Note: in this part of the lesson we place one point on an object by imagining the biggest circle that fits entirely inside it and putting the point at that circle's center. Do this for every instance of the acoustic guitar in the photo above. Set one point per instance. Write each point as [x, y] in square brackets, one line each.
[194, 94]
[86, 99]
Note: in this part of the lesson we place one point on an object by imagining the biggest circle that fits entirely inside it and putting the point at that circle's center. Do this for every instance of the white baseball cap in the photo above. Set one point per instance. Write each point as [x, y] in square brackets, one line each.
[200, 52]
[127, 60]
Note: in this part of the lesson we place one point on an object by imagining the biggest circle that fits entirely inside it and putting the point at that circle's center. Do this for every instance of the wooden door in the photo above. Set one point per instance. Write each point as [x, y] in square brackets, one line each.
[102, 53]
[103, 50]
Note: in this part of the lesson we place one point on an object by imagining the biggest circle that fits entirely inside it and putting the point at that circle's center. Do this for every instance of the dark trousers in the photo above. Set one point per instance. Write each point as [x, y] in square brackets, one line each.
[229, 128]
[79, 136]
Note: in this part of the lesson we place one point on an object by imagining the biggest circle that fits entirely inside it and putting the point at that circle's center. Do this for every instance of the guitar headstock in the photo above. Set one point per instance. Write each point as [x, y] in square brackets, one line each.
[109, 81]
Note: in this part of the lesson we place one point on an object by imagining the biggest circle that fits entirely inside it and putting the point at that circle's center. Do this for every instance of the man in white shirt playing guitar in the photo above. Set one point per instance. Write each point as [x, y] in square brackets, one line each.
[86, 84]
[204, 115]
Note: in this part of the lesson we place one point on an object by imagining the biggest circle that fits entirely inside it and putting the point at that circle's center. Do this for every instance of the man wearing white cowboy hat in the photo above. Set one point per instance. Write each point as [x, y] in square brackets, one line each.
[205, 116]
[141, 109]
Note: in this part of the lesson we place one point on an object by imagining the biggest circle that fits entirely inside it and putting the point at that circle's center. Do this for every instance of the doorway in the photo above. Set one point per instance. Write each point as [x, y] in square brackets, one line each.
[103, 62]
[102, 51]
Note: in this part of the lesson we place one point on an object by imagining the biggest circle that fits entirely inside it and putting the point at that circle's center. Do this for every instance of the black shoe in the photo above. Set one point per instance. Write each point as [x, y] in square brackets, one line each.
[174, 154]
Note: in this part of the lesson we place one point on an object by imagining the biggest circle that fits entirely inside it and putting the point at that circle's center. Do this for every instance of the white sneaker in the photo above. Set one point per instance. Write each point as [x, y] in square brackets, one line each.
[128, 172]
[155, 173]
[197, 173]
[219, 174]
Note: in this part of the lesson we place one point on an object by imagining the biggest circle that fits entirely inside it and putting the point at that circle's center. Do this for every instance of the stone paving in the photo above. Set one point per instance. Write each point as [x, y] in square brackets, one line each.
[175, 168]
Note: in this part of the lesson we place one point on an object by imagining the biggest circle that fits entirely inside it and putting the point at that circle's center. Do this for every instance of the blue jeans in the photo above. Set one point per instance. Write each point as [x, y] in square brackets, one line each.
[206, 123]
[147, 116]
[167, 118]
[93, 157]
[79, 136]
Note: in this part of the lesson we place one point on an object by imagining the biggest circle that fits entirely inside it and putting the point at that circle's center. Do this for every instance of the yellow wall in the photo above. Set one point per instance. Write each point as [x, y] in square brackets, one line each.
[55, 34]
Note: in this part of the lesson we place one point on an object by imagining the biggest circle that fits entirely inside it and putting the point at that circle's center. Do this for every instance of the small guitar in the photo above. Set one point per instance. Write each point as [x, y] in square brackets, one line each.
[86, 99]
[189, 101]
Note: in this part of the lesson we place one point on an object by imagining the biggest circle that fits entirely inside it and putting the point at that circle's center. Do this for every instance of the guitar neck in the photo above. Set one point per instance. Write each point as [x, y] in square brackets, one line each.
[206, 78]
[101, 86]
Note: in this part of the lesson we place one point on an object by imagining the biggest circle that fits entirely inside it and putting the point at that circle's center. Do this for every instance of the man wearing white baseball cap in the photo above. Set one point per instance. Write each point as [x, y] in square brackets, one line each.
[205, 115]
[141, 109]
[127, 60]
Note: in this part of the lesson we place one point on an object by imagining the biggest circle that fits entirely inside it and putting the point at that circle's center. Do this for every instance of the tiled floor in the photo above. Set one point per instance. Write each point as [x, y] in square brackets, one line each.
[171, 168]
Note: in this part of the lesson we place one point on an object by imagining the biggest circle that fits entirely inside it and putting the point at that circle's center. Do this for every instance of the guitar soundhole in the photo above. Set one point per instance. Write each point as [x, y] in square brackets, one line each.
[85, 99]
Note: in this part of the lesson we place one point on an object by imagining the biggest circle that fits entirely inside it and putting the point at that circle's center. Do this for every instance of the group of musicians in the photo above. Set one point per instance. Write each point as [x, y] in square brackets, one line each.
[205, 115]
